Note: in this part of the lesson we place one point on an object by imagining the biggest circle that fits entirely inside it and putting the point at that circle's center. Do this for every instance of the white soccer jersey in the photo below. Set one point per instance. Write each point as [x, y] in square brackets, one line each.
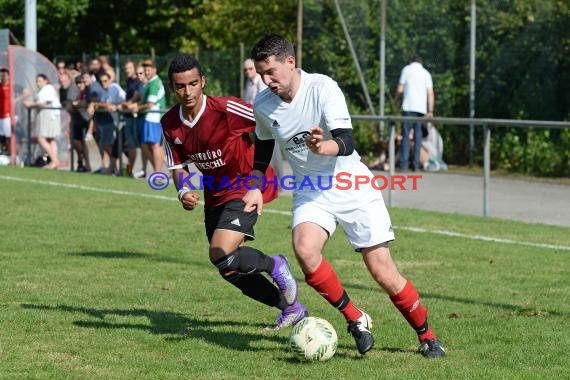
[318, 101]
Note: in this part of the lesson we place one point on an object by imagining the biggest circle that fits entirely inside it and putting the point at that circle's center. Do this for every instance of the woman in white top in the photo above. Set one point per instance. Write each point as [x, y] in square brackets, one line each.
[48, 120]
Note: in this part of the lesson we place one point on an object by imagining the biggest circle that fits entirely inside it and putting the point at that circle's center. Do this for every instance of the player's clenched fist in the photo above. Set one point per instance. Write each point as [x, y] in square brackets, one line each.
[188, 199]
[314, 140]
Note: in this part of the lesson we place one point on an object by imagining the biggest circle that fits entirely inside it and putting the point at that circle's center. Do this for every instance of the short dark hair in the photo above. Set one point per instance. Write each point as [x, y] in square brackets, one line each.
[183, 62]
[416, 58]
[272, 45]
[4, 70]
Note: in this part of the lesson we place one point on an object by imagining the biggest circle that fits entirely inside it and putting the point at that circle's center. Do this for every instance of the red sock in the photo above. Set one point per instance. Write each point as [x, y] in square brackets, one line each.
[408, 302]
[326, 283]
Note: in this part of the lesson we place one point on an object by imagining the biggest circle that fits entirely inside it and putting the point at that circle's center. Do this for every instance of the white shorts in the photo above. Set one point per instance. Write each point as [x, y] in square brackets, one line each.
[364, 226]
[5, 127]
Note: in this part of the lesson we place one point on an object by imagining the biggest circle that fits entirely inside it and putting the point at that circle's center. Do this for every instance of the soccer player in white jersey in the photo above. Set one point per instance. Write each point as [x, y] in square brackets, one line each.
[213, 132]
[307, 115]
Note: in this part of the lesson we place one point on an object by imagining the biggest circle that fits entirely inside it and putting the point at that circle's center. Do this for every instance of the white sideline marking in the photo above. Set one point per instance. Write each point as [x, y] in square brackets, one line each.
[288, 213]
[485, 238]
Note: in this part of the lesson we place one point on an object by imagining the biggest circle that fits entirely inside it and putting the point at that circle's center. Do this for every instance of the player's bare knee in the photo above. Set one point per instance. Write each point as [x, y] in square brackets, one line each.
[305, 251]
[216, 253]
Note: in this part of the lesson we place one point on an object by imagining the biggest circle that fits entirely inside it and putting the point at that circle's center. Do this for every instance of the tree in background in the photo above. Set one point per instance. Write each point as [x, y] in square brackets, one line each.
[523, 58]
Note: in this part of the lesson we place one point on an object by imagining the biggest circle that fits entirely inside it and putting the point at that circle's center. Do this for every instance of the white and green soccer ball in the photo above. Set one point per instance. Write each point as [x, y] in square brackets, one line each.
[313, 339]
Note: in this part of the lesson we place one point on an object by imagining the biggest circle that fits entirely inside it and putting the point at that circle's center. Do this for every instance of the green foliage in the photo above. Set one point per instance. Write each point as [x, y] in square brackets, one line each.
[222, 24]
[535, 152]
[522, 53]
[519, 60]
[512, 153]
[56, 22]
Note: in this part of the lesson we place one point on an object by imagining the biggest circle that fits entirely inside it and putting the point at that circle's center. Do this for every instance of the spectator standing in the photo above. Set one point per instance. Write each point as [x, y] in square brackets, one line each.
[93, 94]
[416, 88]
[154, 99]
[113, 96]
[5, 111]
[72, 71]
[67, 91]
[79, 124]
[96, 69]
[106, 67]
[134, 90]
[253, 82]
[77, 68]
[48, 118]
[61, 68]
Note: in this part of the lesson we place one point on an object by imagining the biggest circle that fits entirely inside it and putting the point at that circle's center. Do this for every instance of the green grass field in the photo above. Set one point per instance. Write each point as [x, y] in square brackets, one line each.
[102, 277]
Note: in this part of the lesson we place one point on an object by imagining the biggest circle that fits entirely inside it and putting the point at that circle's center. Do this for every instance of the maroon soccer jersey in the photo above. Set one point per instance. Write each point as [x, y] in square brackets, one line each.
[218, 142]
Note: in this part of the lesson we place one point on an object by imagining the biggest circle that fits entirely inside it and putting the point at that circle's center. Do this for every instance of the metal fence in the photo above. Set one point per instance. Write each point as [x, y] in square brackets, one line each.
[391, 120]
[486, 124]
[66, 137]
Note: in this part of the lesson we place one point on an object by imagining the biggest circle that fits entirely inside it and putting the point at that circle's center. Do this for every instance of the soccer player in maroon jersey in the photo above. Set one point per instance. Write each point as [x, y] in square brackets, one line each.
[214, 134]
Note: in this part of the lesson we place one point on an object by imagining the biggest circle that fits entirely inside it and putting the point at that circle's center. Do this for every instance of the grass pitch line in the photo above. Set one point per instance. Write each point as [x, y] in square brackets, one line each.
[485, 238]
[88, 188]
[288, 213]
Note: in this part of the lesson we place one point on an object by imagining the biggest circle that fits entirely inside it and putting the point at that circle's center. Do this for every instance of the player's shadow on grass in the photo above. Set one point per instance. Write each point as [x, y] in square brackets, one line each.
[523, 311]
[175, 325]
[113, 255]
[144, 256]
[520, 310]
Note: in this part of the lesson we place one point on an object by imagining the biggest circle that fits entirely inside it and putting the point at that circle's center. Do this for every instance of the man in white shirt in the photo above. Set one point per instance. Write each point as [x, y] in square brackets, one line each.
[253, 82]
[307, 115]
[416, 86]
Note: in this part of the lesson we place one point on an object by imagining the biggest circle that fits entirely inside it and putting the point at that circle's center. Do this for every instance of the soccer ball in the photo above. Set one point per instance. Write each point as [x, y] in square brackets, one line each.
[313, 338]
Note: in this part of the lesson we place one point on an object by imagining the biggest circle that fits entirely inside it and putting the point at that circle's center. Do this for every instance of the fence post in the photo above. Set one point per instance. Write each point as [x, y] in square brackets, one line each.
[70, 142]
[119, 129]
[29, 157]
[486, 167]
[392, 158]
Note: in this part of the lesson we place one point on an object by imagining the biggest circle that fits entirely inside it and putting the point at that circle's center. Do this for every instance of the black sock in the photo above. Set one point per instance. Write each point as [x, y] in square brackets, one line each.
[251, 260]
[257, 287]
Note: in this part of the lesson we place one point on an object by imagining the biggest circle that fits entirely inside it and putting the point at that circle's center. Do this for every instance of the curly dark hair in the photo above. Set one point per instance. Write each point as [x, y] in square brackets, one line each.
[183, 62]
